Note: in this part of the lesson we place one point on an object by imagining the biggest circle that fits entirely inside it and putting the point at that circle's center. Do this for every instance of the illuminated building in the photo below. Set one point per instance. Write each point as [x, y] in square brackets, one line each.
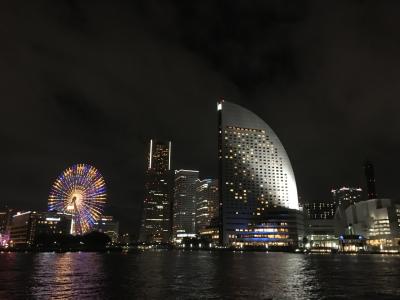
[5, 222]
[80, 190]
[346, 196]
[322, 210]
[255, 173]
[157, 215]
[370, 177]
[377, 220]
[320, 226]
[281, 227]
[26, 226]
[207, 202]
[108, 226]
[321, 235]
[319, 210]
[184, 208]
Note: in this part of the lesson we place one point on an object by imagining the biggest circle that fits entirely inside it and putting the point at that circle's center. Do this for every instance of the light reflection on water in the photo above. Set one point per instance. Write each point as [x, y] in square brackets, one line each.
[174, 274]
[67, 275]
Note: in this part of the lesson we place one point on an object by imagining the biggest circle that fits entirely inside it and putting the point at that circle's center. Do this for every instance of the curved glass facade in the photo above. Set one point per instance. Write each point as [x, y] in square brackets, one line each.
[254, 170]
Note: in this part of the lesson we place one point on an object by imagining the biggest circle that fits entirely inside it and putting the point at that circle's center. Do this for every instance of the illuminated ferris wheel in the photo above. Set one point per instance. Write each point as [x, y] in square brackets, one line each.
[81, 191]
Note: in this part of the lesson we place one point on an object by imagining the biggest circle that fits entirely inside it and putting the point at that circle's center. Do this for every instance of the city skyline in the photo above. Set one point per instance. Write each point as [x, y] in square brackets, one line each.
[135, 231]
[212, 149]
[101, 100]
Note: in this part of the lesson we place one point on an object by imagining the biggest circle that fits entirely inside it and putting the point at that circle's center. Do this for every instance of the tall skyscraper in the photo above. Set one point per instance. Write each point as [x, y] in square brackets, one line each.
[254, 170]
[370, 177]
[207, 202]
[156, 220]
[184, 208]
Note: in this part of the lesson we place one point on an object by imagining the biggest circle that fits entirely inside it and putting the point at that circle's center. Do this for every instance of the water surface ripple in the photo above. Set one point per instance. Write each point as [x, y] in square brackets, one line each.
[198, 274]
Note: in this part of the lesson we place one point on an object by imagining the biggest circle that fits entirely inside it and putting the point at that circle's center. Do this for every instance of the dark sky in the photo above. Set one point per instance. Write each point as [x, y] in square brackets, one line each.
[93, 81]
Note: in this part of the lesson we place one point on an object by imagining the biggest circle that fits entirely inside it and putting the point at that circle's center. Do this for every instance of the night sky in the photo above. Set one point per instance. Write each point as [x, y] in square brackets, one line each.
[93, 81]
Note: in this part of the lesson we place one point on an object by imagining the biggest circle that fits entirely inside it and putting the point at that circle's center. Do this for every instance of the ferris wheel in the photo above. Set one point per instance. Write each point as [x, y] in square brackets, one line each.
[80, 191]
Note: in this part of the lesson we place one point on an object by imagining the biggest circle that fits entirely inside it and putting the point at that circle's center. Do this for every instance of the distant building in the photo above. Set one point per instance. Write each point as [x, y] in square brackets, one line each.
[109, 226]
[255, 172]
[184, 207]
[5, 220]
[27, 226]
[124, 238]
[320, 214]
[5, 223]
[370, 178]
[157, 214]
[320, 224]
[376, 220]
[346, 196]
[319, 210]
[207, 202]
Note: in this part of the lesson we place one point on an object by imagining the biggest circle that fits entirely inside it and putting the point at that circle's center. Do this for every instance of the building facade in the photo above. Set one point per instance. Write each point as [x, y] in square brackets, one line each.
[376, 220]
[156, 219]
[346, 196]
[280, 228]
[27, 226]
[207, 202]
[5, 223]
[109, 226]
[255, 172]
[319, 210]
[184, 207]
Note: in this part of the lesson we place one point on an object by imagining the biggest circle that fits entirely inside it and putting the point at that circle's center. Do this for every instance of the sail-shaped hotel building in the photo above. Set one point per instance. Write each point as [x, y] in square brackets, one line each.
[258, 193]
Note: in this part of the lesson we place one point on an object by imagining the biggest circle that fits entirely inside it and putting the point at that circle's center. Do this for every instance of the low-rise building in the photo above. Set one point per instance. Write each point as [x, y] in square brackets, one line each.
[378, 220]
[109, 226]
[320, 235]
[277, 228]
[27, 226]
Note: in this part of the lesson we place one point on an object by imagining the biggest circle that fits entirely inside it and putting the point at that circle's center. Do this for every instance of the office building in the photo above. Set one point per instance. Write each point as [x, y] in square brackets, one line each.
[27, 226]
[109, 226]
[5, 223]
[5, 220]
[319, 210]
[156, 220]
[345, 196]
[184, 207]
[255, 173]
[207, 202]
[320, 223]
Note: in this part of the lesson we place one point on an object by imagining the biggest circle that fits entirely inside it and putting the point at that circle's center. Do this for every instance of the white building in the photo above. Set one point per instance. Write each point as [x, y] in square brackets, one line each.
[378, 220]
[255, 172]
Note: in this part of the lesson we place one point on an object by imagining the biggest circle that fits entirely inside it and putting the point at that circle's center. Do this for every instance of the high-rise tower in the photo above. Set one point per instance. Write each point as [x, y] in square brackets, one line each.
[184, 207]
[254, 170]
[206, 202]
[370, 177]
[156, 220]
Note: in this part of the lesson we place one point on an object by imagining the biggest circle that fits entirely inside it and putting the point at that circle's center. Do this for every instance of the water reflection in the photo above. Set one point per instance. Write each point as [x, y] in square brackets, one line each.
[67, 275]
[188, 275]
